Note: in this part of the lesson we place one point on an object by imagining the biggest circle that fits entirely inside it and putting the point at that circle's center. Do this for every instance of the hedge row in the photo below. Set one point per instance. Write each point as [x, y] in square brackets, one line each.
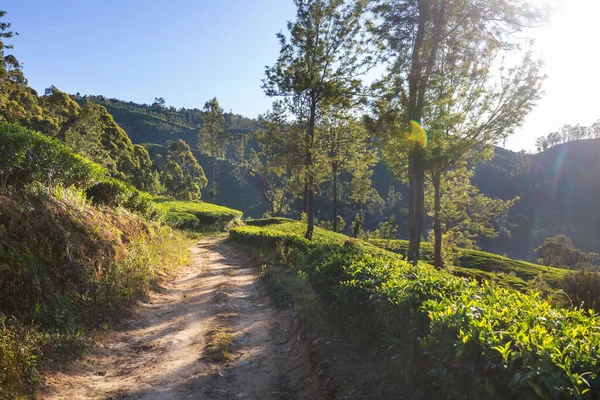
[27, 156]
[197, 216]
[479, 264]
[452, 335]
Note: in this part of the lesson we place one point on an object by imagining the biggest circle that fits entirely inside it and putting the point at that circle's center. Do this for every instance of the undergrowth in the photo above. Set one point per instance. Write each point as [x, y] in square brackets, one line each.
[67, 266]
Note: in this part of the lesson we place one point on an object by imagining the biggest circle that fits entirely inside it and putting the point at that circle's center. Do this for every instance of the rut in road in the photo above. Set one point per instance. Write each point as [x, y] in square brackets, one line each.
[161, 352]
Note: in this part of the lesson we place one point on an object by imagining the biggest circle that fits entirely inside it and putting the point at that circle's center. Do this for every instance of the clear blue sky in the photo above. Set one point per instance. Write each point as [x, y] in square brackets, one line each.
[188, 51]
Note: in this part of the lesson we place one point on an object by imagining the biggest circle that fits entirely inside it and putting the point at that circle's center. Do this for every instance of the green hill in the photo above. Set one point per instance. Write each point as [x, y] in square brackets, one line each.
[557, 188]
[482, 265]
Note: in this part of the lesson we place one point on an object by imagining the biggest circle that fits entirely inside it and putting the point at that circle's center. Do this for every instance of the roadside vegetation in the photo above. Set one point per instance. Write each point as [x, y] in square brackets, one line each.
[444, 334]
[197, 216]
[76, 249]
[482, 265]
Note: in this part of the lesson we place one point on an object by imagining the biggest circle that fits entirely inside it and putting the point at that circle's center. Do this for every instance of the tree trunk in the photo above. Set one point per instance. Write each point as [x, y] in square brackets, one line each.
[309, 169]
[437, 223]
[305, 196]
[213, 192]
[335, 195]
[416, 173]
[416, 205]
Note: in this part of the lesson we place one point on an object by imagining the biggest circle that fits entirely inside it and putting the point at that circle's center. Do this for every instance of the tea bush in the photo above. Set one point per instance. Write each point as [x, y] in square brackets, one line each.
[197, 216]
[453, 335]
[115, 193]
[27, 156]
[482, 265]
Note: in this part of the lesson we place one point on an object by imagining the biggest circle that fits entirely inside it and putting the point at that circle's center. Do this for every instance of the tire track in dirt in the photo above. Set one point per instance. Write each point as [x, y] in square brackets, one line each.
[161, 352]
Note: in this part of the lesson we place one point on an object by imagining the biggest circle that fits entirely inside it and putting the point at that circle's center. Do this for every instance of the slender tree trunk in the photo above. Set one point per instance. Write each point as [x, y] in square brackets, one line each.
[416, 173]
[416, 201]
[335, 195]
[437, 223]
[305, 195]
[213, 192]
[309, 168]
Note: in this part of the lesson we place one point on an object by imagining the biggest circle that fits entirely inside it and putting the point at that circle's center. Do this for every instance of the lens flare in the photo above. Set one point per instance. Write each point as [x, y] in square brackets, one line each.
[417, 134]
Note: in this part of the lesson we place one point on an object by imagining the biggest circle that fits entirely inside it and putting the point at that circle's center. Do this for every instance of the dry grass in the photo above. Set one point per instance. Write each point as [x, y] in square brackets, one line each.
[219, 347]
[66, 265]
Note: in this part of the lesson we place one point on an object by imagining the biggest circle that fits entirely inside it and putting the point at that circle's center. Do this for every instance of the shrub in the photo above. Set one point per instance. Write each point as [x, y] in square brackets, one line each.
[66, 265]
[476, 341]
[18, 358]
[27, 156]
[197, 216]
[583, 289]
[115, 193]
[481, 265]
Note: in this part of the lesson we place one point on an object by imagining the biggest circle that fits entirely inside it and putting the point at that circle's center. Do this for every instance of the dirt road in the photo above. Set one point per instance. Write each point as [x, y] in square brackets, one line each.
[212, 333]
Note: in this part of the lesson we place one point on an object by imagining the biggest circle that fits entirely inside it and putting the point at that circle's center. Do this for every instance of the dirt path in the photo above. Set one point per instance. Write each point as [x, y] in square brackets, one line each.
[170, 348]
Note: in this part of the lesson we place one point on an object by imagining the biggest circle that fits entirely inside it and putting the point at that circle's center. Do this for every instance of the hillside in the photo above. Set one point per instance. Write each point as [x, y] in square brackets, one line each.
[557, 187]
[485, 266]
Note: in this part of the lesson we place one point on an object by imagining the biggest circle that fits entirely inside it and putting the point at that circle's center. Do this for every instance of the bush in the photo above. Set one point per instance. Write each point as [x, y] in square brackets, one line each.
[66, 265]
[115, 193]
[18, 358]
[27, 156]
[476, 341]
[481, 265]
[583, 289]
[197, 216]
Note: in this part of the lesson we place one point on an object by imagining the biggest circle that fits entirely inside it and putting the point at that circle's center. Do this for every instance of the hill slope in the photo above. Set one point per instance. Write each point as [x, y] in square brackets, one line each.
[558, 188]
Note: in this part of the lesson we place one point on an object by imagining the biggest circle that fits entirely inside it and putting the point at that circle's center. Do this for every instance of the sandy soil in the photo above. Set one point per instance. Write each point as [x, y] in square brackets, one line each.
[161, 352]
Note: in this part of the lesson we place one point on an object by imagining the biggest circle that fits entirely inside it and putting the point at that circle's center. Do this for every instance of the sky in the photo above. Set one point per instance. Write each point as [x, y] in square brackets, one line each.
[188, 51]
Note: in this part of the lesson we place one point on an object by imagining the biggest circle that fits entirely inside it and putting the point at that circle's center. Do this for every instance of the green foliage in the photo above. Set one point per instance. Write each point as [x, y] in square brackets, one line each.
[319, 67]
[476, 341]
[197, 216]
[213, 136]
[465, 214]
[182, 176]
[28, 156]
[112, 192]
[64, 266]
[485, 266]
[19, 349]
[559, 252]
[583, 289]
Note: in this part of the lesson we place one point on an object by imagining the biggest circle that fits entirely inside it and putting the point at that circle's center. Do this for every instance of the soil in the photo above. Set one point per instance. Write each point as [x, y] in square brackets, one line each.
[167, 349]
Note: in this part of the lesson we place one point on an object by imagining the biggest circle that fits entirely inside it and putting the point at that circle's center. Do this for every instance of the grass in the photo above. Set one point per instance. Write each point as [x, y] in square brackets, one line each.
[67, 266]
[219, 346]
[485, 266]
[197, 216]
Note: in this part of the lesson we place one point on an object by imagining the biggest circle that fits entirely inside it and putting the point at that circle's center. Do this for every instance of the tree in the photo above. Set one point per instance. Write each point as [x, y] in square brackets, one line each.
[278, 160]
[346, 143]
[363, 196]
[445, 98]
[18, 102]
[559, 252]
[465, 214]
[145, 175]
[213, 138]
[182, 176]
[319, 66]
